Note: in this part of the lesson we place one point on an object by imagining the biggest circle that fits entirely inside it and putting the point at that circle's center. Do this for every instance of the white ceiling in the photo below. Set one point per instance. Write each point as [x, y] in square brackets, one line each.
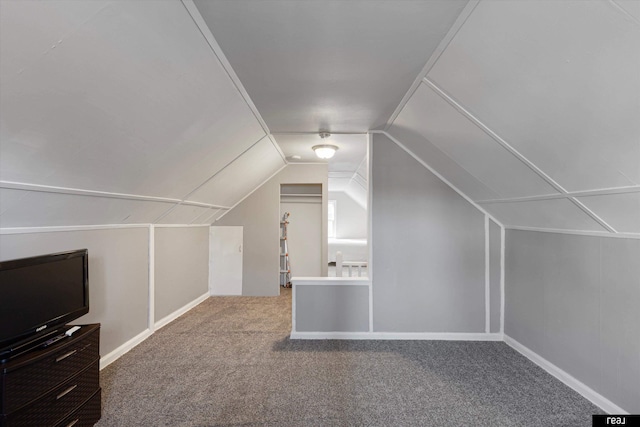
[533, 111]
[122, 107]
[352, 149]
[173, 111]
[328, 65]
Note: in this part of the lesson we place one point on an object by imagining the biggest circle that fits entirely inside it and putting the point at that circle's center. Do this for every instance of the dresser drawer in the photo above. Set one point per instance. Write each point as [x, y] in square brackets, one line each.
[86, 416]
[60, 402]
[46, 370]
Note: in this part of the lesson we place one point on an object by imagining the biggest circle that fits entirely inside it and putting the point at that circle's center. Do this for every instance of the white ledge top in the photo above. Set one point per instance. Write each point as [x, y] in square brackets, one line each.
[330, 281]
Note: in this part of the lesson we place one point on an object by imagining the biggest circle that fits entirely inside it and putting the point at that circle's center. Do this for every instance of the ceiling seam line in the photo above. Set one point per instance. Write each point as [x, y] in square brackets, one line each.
[167, 212]
[39, 188]
[223, 168]
[318, 132]
[253, 191]
[359, 166]
[584, 193]
[477, 180]
[602, 234]
[592, 214]
[63, 228]
[439, 176]
[207, 212]
[277, 147]
[433, 59]
[504, 144]
[624, 11]
[194, 13]
[514, 152]
[208, 218]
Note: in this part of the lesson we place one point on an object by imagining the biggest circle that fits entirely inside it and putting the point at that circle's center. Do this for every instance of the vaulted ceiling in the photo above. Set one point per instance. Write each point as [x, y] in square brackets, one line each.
[173, 111]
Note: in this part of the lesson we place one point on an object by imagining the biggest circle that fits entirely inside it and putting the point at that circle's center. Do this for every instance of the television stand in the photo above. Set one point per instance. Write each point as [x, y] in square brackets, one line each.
[57, 385]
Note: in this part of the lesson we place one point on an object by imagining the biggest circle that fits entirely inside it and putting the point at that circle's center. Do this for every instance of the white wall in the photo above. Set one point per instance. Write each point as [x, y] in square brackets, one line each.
[304, 234]
[259, 214]
[120, 286]
[147, 128]
[428, 246]
[181, 267]
[573, 300]
[351, 217]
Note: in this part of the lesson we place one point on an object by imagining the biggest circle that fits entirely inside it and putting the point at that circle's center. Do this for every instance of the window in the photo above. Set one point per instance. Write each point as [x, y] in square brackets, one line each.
[332, 218]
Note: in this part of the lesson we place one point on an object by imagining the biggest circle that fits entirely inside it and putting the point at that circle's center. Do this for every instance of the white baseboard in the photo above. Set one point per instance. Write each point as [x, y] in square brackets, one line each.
[124, 348]
[586, 391]
[127, 346]
[442, 336]
[179, 312]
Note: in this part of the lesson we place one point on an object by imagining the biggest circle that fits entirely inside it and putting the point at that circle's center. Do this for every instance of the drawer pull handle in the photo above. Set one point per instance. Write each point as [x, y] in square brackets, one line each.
[74, 422]
[67, 391]
[64, 356]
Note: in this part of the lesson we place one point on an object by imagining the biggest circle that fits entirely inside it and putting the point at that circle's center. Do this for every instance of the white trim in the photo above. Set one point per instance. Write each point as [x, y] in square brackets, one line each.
[165, 213]
[473, 119]
[583, 193]
[245, 151]
[330, 281]
[277, 147]
[39, 188]
[354, 132]
[179, 312]
[121, 350]
[12, 185]
[593, 215]
[55, 229]
[202, 204]
[339, 175]
[369, 225]
[193, 11]
[586, 391]
[293, 309]
[285, 195]
[179, 225]
[624, 11]
[252, 191]
[442, 178]
[455, 104]
[202, 217]
[211, 217]
[487, 277]
[319, 162]
[576, 232]
[414, 336]
[502, 276]
[433, 59]
[370, 305]
[127, 346]
[152, 279]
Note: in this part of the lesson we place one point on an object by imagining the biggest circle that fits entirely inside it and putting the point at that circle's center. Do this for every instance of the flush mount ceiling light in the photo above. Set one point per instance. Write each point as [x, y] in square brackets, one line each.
[325, 151]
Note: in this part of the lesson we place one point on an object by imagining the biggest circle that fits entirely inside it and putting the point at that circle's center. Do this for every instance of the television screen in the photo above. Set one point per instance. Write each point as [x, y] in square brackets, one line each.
[39, 293]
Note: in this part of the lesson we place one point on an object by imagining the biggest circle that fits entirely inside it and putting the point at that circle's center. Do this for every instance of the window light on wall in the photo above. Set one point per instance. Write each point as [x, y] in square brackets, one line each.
[331, 216]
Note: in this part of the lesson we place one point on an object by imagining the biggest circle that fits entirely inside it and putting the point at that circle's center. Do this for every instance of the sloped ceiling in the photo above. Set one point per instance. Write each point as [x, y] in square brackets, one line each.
[119, 112]
[330, 65]
[533, 111]
[131, 112]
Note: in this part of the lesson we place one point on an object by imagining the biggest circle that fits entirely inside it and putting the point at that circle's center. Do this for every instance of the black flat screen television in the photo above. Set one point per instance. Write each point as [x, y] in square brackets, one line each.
[39, 295]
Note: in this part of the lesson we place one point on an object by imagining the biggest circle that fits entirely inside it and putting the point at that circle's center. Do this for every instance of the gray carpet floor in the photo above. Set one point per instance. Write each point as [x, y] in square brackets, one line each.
[229, 362]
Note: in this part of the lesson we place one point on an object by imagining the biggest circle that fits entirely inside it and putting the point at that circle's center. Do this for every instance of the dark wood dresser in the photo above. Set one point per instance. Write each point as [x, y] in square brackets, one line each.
[57, 386]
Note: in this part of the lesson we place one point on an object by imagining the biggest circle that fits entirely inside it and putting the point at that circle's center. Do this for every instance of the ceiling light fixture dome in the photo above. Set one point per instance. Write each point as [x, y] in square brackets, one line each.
[325, 151]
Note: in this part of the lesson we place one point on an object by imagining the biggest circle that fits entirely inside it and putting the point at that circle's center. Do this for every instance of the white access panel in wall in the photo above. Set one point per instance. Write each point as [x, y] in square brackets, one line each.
[225, 260]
